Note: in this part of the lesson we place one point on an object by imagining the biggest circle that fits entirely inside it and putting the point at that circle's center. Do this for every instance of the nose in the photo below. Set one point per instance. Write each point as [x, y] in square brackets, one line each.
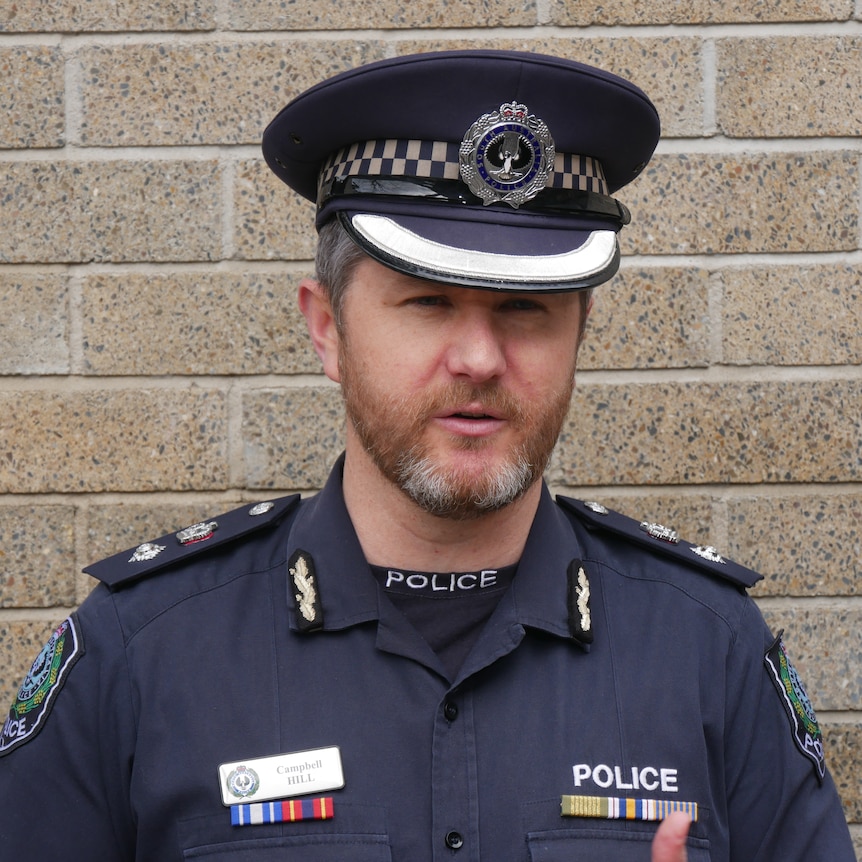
[476, 351]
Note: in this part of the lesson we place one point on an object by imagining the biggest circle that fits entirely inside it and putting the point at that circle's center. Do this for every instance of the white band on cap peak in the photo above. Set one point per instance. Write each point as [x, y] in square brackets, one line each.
[592, 258]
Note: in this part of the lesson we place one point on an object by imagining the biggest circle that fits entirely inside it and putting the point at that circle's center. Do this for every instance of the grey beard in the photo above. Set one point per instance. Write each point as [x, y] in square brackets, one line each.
[436, 494]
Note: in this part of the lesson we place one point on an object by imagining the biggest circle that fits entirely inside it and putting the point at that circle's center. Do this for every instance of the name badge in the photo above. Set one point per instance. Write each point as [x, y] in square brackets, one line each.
[281, 776]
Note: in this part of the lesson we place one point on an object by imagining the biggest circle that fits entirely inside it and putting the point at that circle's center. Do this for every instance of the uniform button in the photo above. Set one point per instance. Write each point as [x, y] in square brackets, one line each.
[450, 710]
[454, 840]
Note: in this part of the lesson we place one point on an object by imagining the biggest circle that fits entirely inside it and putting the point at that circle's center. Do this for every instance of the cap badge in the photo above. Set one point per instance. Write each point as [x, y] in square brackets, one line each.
[507, 156]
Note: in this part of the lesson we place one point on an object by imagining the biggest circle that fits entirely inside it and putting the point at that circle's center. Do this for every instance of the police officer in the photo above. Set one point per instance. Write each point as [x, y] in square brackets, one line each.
[431, 659]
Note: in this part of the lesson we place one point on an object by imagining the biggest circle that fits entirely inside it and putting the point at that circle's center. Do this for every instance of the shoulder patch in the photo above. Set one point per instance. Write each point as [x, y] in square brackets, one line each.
[660, 539]
[797, 705]
[153, 556]
[41, 686]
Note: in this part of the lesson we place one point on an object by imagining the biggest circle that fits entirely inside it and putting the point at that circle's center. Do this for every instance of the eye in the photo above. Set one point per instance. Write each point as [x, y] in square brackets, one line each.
[521, 303]
[431, 301]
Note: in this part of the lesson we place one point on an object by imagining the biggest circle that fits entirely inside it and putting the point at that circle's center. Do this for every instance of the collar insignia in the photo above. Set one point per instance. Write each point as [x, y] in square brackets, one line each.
[580, 618]
[309, 613]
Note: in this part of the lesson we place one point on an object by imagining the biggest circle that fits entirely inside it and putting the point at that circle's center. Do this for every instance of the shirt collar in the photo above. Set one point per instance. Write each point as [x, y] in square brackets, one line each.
[348, 591]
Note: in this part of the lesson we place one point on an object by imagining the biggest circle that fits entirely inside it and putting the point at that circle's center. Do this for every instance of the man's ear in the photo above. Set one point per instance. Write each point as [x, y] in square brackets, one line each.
[320, 320]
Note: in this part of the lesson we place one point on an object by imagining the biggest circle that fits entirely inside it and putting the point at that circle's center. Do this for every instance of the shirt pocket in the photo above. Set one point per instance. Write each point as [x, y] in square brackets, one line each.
[308, 848]
[602, 845]
[355, 833]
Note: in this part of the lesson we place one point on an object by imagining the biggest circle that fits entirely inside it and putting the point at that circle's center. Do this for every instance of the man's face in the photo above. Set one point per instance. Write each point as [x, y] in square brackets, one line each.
[456, 394]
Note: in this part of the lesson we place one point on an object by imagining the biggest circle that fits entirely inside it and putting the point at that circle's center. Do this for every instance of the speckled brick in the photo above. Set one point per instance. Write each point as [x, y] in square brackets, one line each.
[113, 440]
[37, 556]
[34, 323]
[271, 221]
[695, 433]
[649, 318]
[792, 315]
[824, 645]
[668, 69]
[32, 97]
[793, 86]
[803, 544]
[743, 203]
[215, 323]
[20, 643]
[291, 437]
[200, 93]
[69, 16]
[335, 15]
[110, 211]
[571, 13]
[843, 744]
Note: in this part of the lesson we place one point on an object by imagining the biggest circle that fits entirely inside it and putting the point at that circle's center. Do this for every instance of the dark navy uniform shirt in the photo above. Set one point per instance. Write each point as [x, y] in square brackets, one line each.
[199, 655]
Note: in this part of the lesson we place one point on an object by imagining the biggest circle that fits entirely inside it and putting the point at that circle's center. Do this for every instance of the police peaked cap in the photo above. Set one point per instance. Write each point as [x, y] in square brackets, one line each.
[490, 169]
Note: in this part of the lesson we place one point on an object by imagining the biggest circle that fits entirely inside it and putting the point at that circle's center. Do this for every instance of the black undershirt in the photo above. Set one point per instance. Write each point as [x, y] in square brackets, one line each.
[449, 610]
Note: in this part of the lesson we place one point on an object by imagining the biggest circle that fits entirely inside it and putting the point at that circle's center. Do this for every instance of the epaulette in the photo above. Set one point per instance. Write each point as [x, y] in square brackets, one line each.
[151, 557]
[659, 539]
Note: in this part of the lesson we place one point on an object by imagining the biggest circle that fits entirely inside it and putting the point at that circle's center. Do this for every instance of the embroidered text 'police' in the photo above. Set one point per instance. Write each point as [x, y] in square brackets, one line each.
[626, 777]
[434, 582]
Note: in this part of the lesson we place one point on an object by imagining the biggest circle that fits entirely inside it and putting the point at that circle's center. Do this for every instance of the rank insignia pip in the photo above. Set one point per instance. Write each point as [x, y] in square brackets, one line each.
[259, 509]
[309, 613]
[580, 616]
[803, 720]
[146, 552]
[41, 686]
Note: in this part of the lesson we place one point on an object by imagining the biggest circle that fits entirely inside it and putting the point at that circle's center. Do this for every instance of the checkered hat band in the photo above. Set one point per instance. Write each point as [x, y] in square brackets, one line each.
[439, 160]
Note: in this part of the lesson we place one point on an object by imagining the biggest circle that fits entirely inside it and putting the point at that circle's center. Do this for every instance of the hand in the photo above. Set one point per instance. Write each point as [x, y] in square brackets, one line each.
[669, 842]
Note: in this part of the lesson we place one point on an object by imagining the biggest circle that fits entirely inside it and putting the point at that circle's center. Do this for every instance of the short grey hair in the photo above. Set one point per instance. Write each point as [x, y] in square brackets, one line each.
[337, 257]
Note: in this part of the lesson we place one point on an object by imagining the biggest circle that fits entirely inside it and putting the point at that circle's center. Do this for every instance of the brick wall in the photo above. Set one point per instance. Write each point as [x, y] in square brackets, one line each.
[154, 370]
